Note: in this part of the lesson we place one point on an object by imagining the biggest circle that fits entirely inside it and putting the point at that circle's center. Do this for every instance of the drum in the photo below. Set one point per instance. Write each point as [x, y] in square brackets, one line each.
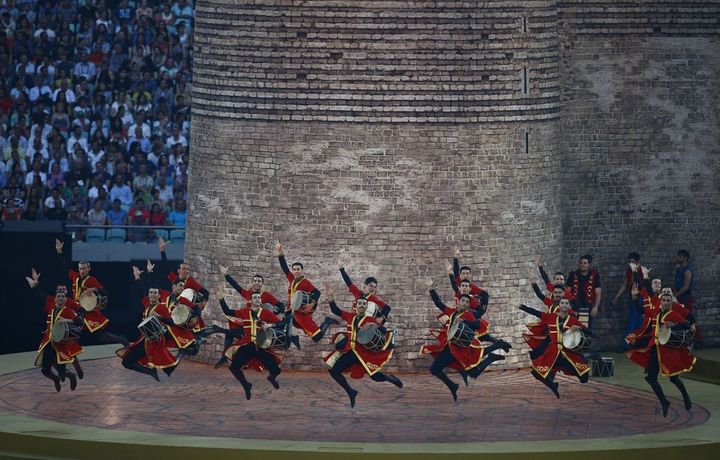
[90, 300]
[461, 334]
[603, 367]
[299, 299]
[188, 294]
[181, 315]
[371, 337]
[272, 338]
[373, 310]
[65, 331]
[576, 340]
[675, 337]
[152, 328]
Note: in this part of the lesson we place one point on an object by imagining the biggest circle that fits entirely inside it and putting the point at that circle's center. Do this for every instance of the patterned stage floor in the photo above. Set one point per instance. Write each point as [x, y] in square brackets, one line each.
[309, 406]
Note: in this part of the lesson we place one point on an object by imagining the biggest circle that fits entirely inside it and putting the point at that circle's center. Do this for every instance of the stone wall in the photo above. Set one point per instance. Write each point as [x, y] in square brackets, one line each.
[382, 135]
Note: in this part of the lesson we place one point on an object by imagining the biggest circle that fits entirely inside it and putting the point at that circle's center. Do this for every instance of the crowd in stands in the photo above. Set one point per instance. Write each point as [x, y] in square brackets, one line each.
[95, 111]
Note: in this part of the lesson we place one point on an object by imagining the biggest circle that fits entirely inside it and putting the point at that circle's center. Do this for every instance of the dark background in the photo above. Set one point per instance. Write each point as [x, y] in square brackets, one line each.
[22, 321]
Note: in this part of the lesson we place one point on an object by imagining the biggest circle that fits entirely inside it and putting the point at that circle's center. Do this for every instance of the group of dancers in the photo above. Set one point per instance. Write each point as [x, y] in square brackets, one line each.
[260, 331]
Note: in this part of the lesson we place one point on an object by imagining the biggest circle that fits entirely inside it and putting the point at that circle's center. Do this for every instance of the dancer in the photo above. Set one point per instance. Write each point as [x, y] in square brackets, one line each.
[302, 313]
[59, 345]
[245, 352]
[150, 352]
[558, 278]
[369, 291]
[657, 354]
[267, 299]
[551, 356]
[360, 357]
[461, 351]
[465, 273]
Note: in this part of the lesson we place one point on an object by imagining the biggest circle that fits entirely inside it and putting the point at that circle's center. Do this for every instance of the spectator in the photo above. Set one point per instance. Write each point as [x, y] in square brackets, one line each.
[55, 195]
[56, 178]
[56, 211]
[75, 217]
[36, 172]
[97, 215]
[165, 191]
[32, 212]
[77, 200]
[158, 216]
[138, 215]
[117, 215]
[179, 215]
[121, 191]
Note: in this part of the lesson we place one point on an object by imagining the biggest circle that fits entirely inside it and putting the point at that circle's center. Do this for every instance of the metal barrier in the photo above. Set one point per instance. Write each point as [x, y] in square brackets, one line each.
[124, 233]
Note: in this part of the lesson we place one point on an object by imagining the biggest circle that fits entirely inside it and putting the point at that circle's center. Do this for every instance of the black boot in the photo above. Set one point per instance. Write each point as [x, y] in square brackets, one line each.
[56, 380]
[273, 380]
[342, 381]
[548, 382]
[657, 389]
[464, 376]
[681, 386]
[73, 380]
[452, 386]
[327, 322]
[220, 362]
[394, 380]
[142, 369]
[238, 374]
[78, 369]
[489, 359]
[169, 370]
[295, 341]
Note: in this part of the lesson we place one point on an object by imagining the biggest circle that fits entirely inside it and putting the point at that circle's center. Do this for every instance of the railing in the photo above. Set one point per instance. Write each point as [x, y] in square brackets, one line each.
[124, 233]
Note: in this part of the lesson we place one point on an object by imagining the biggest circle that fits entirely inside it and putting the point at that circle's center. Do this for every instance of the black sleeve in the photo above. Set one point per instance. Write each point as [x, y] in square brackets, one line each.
[453, 284]
[544, 274]
[315, 294]
[382, 330]
[385, 311]
[283, 264]
[235, 285]
[63, 264]
[164, 263]
[335, 309]
[639, 304]
[345, 277]
[484, 298]
[456, 267]
[530, 310]
[538, 291]
[39, 293]
[226, 310]
[205, 293]
[167, 321]
[477, 314]
[473, 324]
[436, 300]
[80, 318]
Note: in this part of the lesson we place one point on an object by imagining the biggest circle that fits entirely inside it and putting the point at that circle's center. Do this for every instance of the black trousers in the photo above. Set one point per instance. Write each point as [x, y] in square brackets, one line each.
[562, 362]
[49, 360]
[347, 360]
[250, 351]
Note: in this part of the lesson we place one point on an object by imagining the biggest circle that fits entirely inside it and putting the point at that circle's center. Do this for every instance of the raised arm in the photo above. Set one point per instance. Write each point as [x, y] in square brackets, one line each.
[335, 309]
[436, 300]
[62, 262]
[538, 292]
[281, 258]
[226, 310]
[530, 310]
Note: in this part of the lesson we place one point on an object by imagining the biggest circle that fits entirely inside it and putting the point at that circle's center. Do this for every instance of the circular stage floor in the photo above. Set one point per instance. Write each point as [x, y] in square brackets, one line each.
[309, 406]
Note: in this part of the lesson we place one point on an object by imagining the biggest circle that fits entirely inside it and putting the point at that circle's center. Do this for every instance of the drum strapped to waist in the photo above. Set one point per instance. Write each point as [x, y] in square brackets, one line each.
[273, 337]
[373, 310]
[674, 337]
[576, 340]
[152, 328]
[181, 315]
[90, 300]
[371, 337]
[65, 332]
[461, 334]
[300, 299]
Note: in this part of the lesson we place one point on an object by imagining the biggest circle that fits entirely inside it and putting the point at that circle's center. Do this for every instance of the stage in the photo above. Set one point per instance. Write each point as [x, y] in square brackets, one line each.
[203, 411]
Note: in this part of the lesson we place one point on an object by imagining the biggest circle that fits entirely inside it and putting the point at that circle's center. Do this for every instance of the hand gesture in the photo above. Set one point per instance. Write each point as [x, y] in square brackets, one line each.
[429, 284]
[136, 273]
[538, 261]
[532, 276]
[278, 248]
[59, 246]
[223, 270]
[34, 279]
[633, 266]
[457, 253]
[645, 271]
[329, 293]
[220, 288]
[149, 266]
[449, 268]
[161, 243]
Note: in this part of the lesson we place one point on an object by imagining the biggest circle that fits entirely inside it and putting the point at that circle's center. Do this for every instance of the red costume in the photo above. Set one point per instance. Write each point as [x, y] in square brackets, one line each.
[673, 361]
[369, 361]
[182, 336]
[157, 354]
[244, 318]
[465, 357]
[302, 318]
[556, 327]
[94, 319]
[64, 352]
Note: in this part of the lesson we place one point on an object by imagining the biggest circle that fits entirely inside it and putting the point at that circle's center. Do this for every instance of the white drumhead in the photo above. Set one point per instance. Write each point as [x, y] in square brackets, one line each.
[180, 314]
[571, 339]
[88, 300]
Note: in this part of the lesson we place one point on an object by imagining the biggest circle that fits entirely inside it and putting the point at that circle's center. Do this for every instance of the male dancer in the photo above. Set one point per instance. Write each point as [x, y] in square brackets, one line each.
[648, 352]
[448, 354]
[356, 358]
[302, 316]
[551, 356]
[59, 354]
[144, 355]
[245, 351]
[267, 299]
[184, 275]
[558, 278]
[465, 273]
[369, 291]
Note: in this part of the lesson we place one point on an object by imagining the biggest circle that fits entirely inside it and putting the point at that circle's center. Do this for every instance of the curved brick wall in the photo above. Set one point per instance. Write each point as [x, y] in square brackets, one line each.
[382, 135]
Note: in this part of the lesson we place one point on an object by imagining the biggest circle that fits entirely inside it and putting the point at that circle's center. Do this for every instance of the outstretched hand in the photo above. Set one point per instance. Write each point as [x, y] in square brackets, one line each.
[149, 266]
[59, 246]
[223, 270]
[34, 279]
[457, 252]
[278, 247]
[538, 261]
[161, 243]
[449, 268]
[136, 273]
[329, 293]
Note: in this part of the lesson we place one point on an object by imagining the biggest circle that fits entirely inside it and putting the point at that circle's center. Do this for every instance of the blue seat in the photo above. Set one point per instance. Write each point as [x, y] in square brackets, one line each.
[177, 236]
[164, 234]
[95, 235]
[116, 235]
